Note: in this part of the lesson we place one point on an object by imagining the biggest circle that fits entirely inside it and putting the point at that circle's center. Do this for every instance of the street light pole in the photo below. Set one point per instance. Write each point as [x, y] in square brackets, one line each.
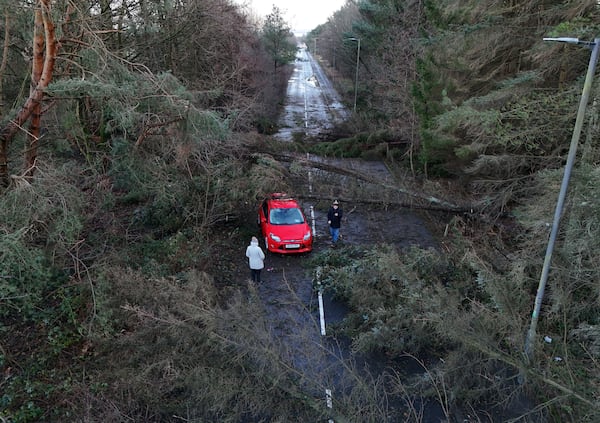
[587, 85]
[357, 65]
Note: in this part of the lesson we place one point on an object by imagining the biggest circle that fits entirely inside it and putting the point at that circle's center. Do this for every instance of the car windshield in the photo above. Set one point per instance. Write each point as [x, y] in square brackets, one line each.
[286, 216]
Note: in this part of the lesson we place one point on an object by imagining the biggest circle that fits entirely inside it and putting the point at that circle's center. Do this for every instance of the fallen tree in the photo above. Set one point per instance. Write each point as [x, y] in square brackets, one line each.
[417, 200]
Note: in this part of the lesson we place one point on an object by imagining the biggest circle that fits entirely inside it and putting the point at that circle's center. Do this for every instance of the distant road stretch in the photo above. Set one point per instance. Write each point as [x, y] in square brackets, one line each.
[311, 104]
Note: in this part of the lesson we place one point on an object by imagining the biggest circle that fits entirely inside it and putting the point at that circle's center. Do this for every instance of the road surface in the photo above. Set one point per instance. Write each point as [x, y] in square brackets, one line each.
[312, 105]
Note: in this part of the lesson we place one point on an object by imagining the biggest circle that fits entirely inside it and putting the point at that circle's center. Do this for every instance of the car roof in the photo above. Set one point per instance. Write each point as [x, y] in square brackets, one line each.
[282, 201]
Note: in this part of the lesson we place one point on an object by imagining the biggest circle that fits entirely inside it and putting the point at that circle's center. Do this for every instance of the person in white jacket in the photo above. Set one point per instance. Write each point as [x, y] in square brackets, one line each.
[256, 259]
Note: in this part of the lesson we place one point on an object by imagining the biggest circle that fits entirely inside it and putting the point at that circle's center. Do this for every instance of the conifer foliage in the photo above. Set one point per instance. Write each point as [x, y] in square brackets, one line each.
[278, 39]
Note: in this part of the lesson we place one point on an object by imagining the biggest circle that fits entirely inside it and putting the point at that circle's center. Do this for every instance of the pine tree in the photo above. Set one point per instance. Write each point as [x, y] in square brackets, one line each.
[277, 38]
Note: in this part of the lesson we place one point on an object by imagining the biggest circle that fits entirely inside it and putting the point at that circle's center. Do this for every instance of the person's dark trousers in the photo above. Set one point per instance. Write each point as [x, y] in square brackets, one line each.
[255, 275]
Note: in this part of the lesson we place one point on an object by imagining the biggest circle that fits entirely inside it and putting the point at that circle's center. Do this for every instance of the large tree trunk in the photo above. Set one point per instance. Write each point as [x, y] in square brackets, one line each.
[37, 67]
[43, 65]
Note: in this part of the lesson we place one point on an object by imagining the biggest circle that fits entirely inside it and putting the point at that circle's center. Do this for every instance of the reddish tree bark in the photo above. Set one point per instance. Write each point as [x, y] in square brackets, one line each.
[42, 70]
[37, 67]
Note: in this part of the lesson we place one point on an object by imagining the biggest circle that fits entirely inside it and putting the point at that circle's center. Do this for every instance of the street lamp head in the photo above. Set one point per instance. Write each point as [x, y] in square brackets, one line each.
[571, 40]
[563, 39]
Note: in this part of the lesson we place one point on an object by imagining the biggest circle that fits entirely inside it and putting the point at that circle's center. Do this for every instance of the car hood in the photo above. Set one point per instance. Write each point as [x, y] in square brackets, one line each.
[288, 232]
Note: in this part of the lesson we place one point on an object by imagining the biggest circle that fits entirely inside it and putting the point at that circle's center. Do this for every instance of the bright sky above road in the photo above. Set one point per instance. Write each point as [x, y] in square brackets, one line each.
[302, 15]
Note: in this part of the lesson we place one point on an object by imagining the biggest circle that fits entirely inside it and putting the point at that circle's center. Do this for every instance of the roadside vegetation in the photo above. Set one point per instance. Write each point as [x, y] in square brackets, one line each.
[131, 166]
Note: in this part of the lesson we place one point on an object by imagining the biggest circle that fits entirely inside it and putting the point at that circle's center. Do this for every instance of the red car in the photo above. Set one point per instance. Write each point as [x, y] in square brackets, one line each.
[283, 225]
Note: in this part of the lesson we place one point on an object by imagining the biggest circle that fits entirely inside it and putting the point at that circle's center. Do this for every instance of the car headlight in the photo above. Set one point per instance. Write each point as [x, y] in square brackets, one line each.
[307, 236]
[275, 238]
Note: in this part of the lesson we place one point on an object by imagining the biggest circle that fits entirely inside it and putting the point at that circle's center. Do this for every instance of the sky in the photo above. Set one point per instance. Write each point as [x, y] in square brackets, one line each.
[301, 15]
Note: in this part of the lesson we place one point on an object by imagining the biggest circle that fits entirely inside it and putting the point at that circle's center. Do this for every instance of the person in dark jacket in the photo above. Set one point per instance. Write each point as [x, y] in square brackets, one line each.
[256, 259]
[334, 219]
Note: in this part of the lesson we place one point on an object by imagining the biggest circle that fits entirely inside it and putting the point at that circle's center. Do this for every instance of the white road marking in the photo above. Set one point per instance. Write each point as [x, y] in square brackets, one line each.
[321, 313]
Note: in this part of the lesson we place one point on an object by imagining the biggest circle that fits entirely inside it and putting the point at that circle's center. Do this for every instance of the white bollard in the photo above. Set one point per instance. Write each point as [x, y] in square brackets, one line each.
[312, 218]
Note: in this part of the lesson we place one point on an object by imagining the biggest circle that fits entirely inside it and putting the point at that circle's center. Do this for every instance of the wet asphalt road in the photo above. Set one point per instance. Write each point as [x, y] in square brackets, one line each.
[312, 105]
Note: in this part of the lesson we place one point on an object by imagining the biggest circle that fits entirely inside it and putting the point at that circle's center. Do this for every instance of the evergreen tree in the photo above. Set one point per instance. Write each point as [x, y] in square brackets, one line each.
[278, 39]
